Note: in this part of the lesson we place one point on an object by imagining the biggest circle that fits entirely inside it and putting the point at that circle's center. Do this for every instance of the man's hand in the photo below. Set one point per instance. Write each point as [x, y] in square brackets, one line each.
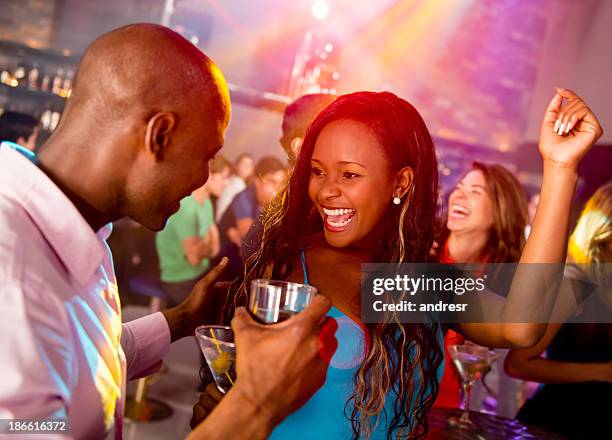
[279, 367]
[197, 307]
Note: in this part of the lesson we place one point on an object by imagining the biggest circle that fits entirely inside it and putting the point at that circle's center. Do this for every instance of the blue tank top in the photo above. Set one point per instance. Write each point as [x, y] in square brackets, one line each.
[324, 416]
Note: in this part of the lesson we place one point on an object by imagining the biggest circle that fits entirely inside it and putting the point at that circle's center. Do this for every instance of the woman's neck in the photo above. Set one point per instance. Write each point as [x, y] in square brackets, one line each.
[358, 252]
[467, 247]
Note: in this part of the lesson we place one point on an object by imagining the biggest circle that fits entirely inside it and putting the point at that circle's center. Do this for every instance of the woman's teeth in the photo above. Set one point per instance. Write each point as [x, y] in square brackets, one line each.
[338, 218]
[335, 212]
[339, 225]
[459, 211]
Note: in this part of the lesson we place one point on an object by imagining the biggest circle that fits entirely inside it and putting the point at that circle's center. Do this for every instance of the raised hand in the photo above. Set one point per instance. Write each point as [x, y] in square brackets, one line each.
[568, 130]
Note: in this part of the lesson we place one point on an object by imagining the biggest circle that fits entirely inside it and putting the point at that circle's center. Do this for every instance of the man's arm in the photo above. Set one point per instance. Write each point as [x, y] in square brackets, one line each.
[145, 341]
[235, 417]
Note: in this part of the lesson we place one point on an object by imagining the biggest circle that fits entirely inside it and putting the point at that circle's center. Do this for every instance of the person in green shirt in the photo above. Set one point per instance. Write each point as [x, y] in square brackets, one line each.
[190, 238]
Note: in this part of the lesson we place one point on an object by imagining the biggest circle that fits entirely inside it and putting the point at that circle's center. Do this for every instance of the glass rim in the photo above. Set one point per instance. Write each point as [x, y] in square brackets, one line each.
[199, 333]
[475, 348]
[262, 282]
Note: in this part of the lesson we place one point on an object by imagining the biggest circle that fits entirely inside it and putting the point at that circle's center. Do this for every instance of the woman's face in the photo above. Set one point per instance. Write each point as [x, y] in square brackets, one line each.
[245, 168]
[470, 208]
[217, 182]
[350, 184]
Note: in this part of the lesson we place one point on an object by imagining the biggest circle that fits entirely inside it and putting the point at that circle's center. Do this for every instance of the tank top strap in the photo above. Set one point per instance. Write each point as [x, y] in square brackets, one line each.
[304, 268]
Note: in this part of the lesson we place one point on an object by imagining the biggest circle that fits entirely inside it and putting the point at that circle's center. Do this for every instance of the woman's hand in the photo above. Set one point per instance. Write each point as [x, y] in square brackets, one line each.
[568, 131]
[206, 403]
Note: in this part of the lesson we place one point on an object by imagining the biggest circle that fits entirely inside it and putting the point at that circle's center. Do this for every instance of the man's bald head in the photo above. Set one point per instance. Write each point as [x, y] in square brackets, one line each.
[147, 111]
[146, 67]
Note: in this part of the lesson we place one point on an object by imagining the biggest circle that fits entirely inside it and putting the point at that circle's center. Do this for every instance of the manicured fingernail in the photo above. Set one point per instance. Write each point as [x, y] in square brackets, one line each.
[568, 127]
[556, 126]
[561, 129]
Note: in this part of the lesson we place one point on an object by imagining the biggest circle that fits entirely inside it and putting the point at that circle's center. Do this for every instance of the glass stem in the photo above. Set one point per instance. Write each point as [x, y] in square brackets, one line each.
[465, 415]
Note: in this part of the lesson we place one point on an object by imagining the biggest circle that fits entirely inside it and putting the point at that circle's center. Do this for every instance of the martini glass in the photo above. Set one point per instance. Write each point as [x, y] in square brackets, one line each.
[274, 301]
[472, 362]
[219, 350]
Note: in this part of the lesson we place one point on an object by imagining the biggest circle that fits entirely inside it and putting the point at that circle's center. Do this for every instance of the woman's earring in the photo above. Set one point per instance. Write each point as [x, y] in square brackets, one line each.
[397, 200]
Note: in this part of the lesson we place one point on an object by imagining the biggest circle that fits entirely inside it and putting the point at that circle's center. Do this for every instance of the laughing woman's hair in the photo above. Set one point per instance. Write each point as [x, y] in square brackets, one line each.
[593, 232]
[402, 360]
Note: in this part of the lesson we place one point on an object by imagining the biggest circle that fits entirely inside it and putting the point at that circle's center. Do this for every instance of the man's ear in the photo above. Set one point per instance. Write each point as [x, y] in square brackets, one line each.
[403, 182]
[159, 130]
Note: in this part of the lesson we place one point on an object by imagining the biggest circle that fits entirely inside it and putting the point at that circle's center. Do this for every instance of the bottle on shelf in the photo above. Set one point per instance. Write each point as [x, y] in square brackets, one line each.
[45, 119]
[55, 117]
[20, 76]
[33, 76]
[44, 84]
[67, 84]
[57, 81]
[5, 77]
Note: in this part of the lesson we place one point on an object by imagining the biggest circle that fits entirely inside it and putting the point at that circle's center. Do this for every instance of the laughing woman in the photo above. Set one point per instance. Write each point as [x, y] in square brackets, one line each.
[487, 216]
[364, 189]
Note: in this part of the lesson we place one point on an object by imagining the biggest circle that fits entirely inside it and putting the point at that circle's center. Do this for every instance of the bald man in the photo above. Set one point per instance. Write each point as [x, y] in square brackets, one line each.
[148, 110]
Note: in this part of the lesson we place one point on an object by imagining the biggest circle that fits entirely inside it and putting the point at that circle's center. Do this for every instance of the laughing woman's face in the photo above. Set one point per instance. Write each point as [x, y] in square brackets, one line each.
[470, 207]
[350, 182]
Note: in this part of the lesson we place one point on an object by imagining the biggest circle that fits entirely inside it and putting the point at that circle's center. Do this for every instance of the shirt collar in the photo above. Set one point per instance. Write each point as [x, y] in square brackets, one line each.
[59, 221]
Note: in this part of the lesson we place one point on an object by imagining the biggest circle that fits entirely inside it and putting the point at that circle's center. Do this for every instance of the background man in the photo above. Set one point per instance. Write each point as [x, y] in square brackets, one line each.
[19, 128]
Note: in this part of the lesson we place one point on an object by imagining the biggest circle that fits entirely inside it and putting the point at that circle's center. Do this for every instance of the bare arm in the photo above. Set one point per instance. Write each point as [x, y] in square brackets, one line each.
[209, 245]
[196, 248]
[244, 224]
[192, 250]
[234, 417]
[528, 364]
[215, 242]
[533, 289]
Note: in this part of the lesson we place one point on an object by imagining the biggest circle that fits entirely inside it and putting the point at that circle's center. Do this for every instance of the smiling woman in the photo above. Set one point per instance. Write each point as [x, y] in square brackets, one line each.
[360, 153]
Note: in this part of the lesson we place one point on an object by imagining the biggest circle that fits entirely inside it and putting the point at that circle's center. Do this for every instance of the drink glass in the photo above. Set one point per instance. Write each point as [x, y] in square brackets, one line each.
[219, 350]
[274, 301]
[472, 362]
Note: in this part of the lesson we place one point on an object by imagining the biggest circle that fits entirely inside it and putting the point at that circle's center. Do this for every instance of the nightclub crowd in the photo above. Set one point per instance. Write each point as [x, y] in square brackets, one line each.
[138, 162]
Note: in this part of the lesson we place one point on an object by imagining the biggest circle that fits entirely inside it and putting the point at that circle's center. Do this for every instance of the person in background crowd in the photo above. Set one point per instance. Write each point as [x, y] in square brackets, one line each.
[485, 222]
[190, 238]
[246, 207]
[576, 373]
[244, 168]
[19, 128]
[297, 117]
[148, 111]
[364, 190]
